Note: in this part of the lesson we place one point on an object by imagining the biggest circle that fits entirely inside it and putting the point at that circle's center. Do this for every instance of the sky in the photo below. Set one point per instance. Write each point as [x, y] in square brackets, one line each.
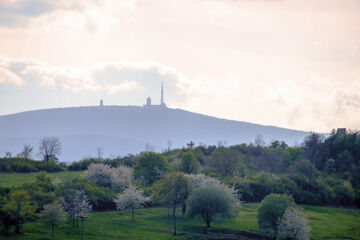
[287, 63]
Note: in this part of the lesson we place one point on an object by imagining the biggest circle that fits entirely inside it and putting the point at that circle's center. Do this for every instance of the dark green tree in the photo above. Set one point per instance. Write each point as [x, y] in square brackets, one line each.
[272, 209]
[189, 164]
[210, 202]
[150, 167]
[18, 209]
[173, 190]
[223, 161]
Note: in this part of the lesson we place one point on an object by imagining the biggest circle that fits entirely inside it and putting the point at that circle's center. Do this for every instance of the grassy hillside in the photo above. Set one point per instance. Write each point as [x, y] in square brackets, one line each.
[17, 179]
[152, 223]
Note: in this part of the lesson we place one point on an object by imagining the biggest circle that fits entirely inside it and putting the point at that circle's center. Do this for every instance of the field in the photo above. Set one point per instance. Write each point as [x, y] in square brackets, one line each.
[17, 179]
[152, 223]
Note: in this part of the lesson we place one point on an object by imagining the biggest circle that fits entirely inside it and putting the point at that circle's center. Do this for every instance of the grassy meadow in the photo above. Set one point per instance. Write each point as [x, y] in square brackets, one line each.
[17, 179]
[153, 224]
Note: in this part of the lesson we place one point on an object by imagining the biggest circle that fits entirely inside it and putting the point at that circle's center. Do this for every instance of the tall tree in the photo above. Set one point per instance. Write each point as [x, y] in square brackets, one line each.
[315, 149]
[173, 190]
[27, 151]
[50, 147]
[52, 214]
[76, 204]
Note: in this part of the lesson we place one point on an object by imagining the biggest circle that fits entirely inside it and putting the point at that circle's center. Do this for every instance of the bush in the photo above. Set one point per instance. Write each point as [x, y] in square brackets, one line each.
[293, 225]
[23, 165]
[99, 197]
[271, 209]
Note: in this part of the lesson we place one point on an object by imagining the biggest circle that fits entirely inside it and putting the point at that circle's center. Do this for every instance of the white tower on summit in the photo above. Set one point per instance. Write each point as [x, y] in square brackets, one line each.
[162, 102]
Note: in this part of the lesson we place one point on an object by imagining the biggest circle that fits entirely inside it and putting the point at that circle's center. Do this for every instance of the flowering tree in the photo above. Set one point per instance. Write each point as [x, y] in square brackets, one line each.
[105, 176]
[293, 225]
[77, 204]
[131, 198]
[99, 174]
[200, 180]
[121, 178]
[52, 214]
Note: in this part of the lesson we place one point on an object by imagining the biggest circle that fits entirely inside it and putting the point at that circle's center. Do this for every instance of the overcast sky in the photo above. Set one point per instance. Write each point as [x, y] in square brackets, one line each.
[293, 64]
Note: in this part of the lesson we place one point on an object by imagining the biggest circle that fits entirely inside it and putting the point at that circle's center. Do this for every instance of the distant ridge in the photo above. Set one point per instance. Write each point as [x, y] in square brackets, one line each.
[122, 130]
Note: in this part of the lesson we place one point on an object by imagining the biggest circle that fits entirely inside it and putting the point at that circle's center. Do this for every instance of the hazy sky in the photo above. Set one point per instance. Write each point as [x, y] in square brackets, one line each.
[292, 64]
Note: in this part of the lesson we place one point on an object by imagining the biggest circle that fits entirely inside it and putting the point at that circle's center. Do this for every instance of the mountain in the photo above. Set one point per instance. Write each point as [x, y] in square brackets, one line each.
[121, 130]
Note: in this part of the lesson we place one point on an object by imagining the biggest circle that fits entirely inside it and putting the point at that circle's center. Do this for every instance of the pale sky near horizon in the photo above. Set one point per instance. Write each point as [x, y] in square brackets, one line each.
[287, 63]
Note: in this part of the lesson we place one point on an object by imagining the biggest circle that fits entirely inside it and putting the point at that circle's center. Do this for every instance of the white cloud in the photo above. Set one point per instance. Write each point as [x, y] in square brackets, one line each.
[8, 77]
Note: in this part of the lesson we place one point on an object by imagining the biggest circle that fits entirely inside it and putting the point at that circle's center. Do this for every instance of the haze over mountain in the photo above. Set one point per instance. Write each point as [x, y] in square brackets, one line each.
[121, 130]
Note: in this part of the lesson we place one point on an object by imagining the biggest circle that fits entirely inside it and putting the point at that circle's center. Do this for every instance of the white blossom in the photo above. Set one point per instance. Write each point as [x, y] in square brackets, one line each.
[293, 225]
[131, 198]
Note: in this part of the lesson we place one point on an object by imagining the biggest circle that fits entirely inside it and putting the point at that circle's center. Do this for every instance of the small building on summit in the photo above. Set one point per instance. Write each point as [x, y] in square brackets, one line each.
[101, 103]
[148, 101]
[162, 102]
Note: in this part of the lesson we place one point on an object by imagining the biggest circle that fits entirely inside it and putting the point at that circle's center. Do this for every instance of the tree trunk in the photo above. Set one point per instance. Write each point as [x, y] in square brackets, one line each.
[168, 212]
[174, 224]
[174, 211]
[132, 213]
[52, 230]
[183, 209]
[82, 228]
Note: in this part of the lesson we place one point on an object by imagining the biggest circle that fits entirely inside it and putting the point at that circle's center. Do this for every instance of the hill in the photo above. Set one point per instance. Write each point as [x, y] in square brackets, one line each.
[121, 130]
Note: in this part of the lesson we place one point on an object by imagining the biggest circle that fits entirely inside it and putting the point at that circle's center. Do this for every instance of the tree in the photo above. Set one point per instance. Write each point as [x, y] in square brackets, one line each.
[212, 202]
[99, 174]
[150, 167]
[168, 145]
[27, 151]
[121, 177]
[103, 175]
[189, 163]
[190, 145]
[18, 209]
[50, 147]
[76, 204]
[272, 208]
[173, 190]
[305, 171]
[314, 149]
[131, 198]
[8, 154]
[52, 214]
[293, 225]
[100, 153]
[223, 161]
[201, 180]
[259, 141]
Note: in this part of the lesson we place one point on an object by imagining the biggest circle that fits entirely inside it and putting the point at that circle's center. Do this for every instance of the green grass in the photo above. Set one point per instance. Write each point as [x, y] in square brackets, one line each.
[153, 224]
[17, 179]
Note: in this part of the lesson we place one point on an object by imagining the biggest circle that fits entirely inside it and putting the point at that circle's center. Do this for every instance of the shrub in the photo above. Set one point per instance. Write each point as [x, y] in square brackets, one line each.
[271, 209]
[293, 225]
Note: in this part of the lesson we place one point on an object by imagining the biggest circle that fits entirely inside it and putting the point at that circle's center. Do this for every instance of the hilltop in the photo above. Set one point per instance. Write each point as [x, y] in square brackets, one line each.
[121, 130]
